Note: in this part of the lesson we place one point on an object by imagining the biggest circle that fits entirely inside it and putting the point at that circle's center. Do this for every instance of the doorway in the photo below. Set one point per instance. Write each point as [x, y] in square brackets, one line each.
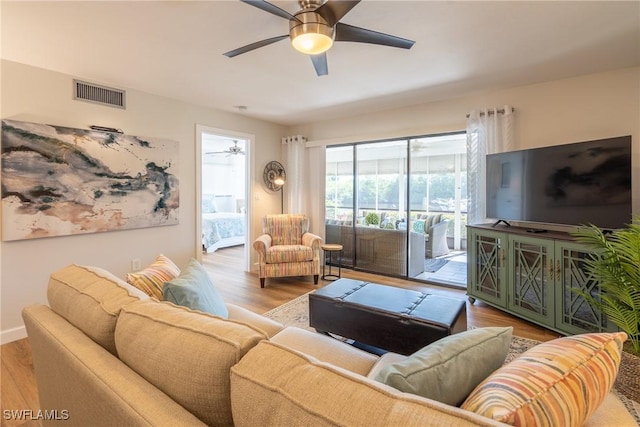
[222, 192]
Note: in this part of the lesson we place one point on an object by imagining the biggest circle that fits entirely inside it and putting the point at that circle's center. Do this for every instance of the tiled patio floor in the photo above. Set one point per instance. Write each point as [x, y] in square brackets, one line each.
[453, 273]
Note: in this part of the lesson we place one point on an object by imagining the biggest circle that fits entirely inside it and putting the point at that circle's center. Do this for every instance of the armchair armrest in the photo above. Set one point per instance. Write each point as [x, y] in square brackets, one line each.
[437, 241]
[310, 239]
[438, 229]
[261, 244]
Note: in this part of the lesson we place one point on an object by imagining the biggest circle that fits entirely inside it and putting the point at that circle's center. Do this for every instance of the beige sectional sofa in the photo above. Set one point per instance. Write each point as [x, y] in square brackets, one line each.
[106, 354]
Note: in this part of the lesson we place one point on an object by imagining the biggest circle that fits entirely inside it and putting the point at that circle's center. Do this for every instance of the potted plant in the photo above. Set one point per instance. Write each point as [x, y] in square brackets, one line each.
[372, 218]
[615, 263]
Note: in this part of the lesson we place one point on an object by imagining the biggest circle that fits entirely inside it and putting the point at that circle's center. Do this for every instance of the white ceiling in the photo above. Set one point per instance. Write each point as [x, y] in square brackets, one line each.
[174, 49]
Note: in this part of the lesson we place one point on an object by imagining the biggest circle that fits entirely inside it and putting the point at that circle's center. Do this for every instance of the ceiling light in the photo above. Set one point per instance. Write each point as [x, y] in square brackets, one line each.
[312, 43]
[310, 33]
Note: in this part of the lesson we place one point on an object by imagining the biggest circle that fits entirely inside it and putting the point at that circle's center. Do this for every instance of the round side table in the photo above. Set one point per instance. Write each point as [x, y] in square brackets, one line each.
[329, 249]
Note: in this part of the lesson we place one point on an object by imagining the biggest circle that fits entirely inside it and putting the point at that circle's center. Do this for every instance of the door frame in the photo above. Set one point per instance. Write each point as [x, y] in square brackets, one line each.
[248, 190]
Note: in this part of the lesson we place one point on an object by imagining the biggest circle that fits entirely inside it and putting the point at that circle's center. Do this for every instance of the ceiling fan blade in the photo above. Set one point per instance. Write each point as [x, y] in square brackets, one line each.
[349, 33]
[268, 7]
[333, 11]
[320, 63]
[252, 46]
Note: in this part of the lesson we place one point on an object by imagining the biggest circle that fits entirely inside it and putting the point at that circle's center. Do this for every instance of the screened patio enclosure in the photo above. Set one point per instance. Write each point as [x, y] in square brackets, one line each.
[398, 205]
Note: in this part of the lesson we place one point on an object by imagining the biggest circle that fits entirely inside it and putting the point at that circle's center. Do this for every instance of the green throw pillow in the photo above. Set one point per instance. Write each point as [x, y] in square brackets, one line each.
[449, 369]
[193, 288]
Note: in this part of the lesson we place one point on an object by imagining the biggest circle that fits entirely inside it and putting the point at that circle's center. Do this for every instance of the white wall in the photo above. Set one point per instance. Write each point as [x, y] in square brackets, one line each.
[41, 96]
[562, 111]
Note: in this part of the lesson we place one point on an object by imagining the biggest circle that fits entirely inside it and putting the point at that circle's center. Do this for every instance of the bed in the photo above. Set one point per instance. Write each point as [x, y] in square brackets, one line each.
[221, 227]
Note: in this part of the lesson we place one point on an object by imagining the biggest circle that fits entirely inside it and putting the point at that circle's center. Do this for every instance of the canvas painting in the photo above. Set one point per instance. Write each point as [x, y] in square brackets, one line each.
[59, 181]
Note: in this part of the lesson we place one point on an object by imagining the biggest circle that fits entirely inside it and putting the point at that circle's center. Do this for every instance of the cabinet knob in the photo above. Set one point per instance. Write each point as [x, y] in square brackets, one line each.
[558, 270]
[550, 269]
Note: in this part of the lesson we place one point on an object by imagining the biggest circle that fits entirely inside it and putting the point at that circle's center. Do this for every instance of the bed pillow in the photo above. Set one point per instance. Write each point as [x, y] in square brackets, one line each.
[194, 289]
[556, 383]
[208, 204]
[450, 368]
[151, 279]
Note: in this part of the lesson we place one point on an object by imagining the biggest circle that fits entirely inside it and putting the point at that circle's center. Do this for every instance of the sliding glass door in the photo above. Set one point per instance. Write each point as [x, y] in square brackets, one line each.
[381, 183]
[399, 207]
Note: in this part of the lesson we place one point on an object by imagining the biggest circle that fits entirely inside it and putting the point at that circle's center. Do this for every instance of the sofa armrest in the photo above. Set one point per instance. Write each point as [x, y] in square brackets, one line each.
[76, 375]
[611, 412]
[240, 314]
[261, 244]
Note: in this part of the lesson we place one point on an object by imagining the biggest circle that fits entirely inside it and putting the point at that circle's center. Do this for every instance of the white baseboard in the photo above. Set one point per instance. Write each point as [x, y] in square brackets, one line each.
[12, 335]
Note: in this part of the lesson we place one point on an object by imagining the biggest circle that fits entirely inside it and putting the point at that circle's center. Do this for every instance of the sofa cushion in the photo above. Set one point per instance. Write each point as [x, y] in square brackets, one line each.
[194, 289]
[242, 315]
[450, 368]
[274, 386]
[151, 279]
[90, 298]
[556, 383]
[326, 349]
[289, 253]
[184, 353]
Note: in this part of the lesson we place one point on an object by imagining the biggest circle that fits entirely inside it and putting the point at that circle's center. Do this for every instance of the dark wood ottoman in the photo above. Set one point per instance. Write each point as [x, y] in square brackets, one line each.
[393, 319]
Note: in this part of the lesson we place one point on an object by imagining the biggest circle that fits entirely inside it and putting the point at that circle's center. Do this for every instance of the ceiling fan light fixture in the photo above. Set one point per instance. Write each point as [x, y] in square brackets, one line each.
[312, 43]
[310, 33]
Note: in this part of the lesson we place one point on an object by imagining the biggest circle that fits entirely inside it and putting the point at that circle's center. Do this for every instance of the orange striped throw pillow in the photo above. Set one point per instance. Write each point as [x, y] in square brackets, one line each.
[556, 383]
[151, 279]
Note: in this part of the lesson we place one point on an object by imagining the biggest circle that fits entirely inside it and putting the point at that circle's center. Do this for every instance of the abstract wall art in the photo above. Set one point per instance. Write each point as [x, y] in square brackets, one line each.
[59, 181]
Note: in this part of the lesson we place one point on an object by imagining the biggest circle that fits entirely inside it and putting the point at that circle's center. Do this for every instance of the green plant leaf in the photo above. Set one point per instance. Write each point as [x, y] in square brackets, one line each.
[615, 264]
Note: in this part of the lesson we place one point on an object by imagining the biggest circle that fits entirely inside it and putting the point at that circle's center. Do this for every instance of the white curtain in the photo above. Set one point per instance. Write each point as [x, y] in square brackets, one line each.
[295, 166]
[488, 131]
[315, 200]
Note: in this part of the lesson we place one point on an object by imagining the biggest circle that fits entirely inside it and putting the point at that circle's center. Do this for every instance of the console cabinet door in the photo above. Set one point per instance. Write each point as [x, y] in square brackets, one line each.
[531, 277]
[574, 315]
[486, 266]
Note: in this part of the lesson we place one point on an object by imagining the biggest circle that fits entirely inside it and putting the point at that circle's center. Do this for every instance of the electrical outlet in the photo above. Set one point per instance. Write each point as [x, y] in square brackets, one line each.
[135, 264]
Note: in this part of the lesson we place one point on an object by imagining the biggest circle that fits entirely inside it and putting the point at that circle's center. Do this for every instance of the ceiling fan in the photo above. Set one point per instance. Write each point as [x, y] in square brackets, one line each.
[234, 149]
[316, 26]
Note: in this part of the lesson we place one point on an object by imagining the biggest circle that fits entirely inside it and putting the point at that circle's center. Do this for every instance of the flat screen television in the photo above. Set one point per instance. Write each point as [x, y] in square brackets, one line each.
[570, 184]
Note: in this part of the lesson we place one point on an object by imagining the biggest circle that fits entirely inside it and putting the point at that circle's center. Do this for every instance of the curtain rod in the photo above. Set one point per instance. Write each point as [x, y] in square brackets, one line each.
[491, 112]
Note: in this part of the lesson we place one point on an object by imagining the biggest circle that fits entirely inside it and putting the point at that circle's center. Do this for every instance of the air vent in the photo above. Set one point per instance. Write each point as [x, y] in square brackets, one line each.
[91, 92]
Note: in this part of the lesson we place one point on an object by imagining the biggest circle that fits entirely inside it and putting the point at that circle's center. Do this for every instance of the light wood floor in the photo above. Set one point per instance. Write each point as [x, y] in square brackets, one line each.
[17, 382]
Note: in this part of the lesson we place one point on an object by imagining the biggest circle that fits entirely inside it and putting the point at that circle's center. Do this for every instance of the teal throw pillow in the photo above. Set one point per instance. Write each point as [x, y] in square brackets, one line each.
[193, 288]
[449, 369]
[418, 226]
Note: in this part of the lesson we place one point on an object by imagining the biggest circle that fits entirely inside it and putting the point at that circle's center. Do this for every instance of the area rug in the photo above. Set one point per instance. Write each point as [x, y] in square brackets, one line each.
[434, 264]
[627, 386]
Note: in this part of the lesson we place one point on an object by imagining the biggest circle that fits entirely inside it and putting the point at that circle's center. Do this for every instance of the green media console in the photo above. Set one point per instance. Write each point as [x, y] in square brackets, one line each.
[532, 275]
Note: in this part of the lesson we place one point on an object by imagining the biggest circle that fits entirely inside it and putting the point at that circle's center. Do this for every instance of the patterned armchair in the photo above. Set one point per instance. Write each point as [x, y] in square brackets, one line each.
[287, 248]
